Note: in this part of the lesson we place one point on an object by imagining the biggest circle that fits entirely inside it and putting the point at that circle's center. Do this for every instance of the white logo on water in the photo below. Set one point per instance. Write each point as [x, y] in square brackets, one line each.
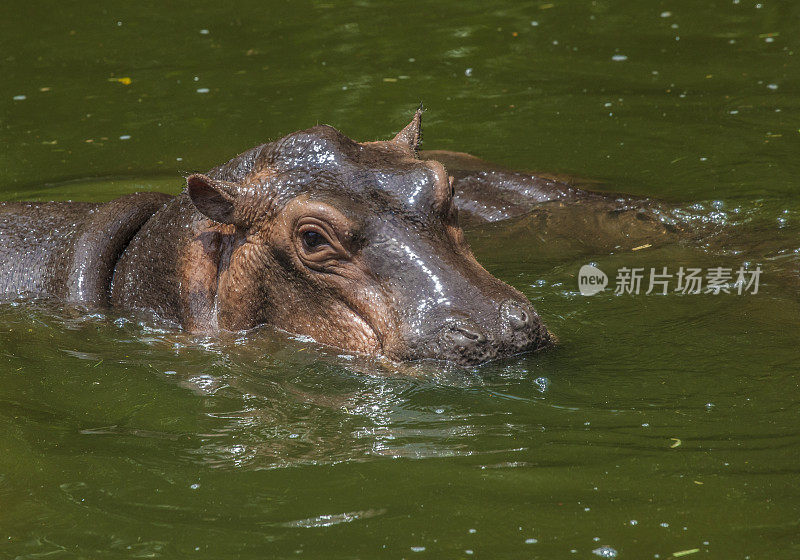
[591, 280]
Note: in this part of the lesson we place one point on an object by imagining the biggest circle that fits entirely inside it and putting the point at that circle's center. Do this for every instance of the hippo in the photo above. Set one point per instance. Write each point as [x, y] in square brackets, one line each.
[357, 245]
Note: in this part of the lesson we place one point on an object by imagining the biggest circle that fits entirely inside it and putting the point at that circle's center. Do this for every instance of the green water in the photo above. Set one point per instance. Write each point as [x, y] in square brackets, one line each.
[661, 424]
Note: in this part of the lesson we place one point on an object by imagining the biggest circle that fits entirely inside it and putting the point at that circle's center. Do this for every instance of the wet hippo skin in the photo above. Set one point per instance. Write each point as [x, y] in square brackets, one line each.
[357, 245]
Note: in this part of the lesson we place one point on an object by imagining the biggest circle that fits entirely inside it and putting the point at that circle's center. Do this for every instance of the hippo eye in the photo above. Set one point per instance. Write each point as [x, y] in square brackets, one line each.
[318, 242]
[313, 239]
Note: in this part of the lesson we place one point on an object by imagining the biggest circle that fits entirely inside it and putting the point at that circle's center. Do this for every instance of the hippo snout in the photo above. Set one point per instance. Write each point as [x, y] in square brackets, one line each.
[517, 328]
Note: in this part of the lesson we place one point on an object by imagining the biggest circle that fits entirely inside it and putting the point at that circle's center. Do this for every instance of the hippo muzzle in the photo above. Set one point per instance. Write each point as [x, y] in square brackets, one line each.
[446, 305]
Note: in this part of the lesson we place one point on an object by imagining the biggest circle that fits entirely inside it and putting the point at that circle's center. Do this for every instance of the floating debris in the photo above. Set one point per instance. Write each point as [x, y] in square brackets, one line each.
[685, 552]
[124, 81]
[676, 443]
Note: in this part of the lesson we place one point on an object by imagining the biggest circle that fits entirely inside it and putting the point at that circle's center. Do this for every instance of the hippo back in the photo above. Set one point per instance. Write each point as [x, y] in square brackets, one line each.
[68, 250]
[33, 237]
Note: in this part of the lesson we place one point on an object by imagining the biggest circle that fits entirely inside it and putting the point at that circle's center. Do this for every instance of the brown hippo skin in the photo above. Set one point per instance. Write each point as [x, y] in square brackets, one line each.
[356, 245]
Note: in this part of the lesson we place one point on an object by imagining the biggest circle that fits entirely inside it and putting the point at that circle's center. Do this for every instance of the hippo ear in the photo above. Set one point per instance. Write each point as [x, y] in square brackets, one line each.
[214, 199]
[410, 137]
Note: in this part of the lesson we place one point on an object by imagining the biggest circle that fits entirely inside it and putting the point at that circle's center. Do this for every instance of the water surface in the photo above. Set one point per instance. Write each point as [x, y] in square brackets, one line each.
[660, 425]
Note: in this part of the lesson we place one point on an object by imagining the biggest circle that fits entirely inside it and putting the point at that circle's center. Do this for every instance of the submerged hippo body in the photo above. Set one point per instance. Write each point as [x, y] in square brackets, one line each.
[354, 244]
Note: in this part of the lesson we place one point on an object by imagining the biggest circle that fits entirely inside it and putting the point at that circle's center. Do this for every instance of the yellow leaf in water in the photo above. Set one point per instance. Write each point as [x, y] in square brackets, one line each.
[640, 247]
[685, 552]
[676, 444]
[124, 81]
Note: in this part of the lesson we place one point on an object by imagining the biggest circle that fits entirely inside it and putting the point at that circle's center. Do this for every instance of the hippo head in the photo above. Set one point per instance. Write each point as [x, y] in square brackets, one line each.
[358, 246]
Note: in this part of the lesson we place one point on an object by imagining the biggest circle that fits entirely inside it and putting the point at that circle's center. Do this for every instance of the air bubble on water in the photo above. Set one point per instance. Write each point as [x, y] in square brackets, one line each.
[773, 87]
[619, 58]
[633, 522]
[542, 383]
[664, 524]
[666, 14]
[417, 549]
[204, 32]
[439, 411]
[709, 405]
[531, 541]
[472, 531]
[534, 24]
[125, 137]
[646, 425]
[194, 486]
[605, 551]
[20, 98]
[468, 72]
[468, 551]
[596, 539]
[202, 90]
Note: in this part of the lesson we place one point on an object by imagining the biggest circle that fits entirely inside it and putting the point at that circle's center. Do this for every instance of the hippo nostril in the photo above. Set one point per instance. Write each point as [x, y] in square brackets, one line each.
[516, 315]
[472, 334]
[465, 336]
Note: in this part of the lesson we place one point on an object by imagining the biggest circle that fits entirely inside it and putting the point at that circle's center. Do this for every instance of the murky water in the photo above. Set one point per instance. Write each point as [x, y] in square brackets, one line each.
[662, 426]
